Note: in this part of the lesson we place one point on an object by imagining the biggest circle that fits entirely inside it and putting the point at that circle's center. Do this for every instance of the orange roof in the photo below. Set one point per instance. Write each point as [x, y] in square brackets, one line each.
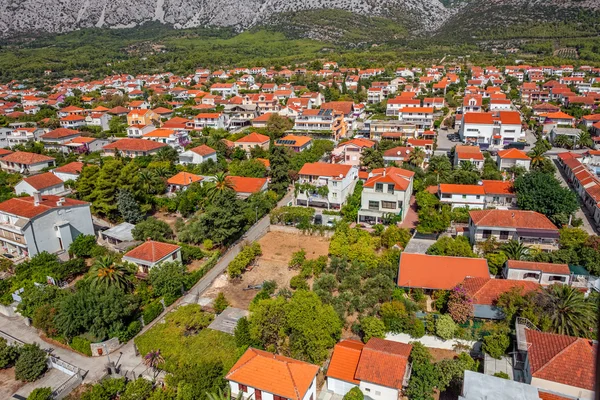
[539, 266]
[253, 138]
[360, 142]
[134, 145]
[184, 179]
[5, 152]
[73, 117]
[422, 110]
[343, 106]
[498, 187]
[510, 117]
[563, 359]
[272, 373]
[469, 152]
[461, 189]
[23, 157]
[43, 181]
[325, 169]
[558, 115]
[344, 360]
[82, 140]
[383, 362]
[74, 167]
[299, 141]
[511, 219]
[162, 133]
[263, 118]
[60, 133]
[26, 208]
[398, 176]
[438, 272]
[486, 290]
[552, 396]
[513, 154]
[242, 184]
[152, 251]
[162, 110]
[478, 118]
[203, 150]
[208, 115]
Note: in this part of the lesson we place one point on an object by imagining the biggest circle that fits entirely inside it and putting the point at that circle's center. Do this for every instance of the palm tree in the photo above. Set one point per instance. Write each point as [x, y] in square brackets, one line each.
[220, 395]
[563, 141]
[439, 165]
[467, 166]
[515, 250]
[585, 139]
[161, 172]
[416, 156]
[106, 273]
[219, 184]
[152, 360]
[538, 156]
[568, 310]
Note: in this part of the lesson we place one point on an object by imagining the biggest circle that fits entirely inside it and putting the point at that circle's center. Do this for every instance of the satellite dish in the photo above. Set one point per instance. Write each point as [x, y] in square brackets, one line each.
[480, 183]
[399, 153]
[341, 176]
[407, 151]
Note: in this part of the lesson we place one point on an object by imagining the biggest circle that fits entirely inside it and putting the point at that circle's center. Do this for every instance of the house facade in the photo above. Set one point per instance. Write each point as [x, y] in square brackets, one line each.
[542, 273]
[513, 158]
[133, 147]
[325, 185]
[46, 183]
[253, 140]
[350, 152]
[152, 253]
[25, 163]
[386, 193]
[198, 155]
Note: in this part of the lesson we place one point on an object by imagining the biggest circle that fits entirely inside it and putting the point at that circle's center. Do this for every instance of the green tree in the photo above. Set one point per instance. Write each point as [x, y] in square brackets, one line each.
[250, 168]
[354, 394]
[139, 389]
[372, 327]
[570, 313]
[195, 381]
[128, 207]
[31, 363]
[220, 303]
[105, 273]
[242, 333]
[451, 372]
[496, 344]
[152, 228]
[83, 246]
[168, 279]
[515, 250]
[445, 327]
[104, 195]
[423, 380]
[278, 125]
[371, 159]
[440, 167]
[36, 296]
[279, 171]
[572, 238]
[153, 360]
[44, 393]
[454, 247]
[8, 354]
[416, 156]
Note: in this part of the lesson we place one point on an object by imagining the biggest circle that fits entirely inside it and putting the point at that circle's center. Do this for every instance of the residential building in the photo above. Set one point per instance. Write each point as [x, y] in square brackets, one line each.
[142, 117]
[25, 163]
[174, 138]
[472, 103]
[321, 120]
[133, 147]
[46, 183]
[528, 227]
[485, 292]
[137, 131]
[396, 104]
[583, 179]
[539, 272]
[198, 155]
[253, 140]
[69, 172]
[470, 154]
[420, 117]
[98, 119]
[224, 89]
[295, 142]
[72, 121]
[472, 196]
[499, 194]
[182, 180]
[325, 185]
[261, 375]
[379, 368]
[496, 128]
[32, 225]
[513, 157]
[438, 272]
[83, 145]
[571, 133]
[57, 138]
[151, 253]
[397, 155]
[350, 151]
[391, 130]
[23, 135]
[478, 386]
[244, 187]
[210, 120]
[554, 363]
[386, 193]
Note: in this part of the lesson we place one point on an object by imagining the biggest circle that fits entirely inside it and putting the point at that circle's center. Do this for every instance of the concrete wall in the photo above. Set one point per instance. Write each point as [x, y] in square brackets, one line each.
[378, 392]
[338, 386]
[563, 389]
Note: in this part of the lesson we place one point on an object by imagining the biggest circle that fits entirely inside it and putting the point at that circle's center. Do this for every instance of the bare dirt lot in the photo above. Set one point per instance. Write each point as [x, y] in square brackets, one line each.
[277, 249]
[8, 384]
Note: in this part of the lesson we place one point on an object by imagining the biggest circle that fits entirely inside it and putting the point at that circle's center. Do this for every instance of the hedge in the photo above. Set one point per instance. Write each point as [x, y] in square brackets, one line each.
[151, 311]
[243, 259]
[81, 345]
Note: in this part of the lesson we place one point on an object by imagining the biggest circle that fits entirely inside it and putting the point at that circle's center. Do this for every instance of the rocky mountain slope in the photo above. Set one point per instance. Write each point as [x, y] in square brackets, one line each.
[18, 17]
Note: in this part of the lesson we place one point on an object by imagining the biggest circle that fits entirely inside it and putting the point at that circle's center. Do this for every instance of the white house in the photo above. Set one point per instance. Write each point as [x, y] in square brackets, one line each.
[175, 138]
[472, 196]
[198, 155]
[261, 375]
[210, 120]
[31, 225]
[379, 368]
[24, 162]
[387, 191]
[350, 152]
[69, 172]
[46, 183]
[56, 138]
[23, 135]
[225, 89]
[421, 117]
[325, 185]
[542, 273]
[513, 157]
[151, 253]
[470, 154]
[498, 128]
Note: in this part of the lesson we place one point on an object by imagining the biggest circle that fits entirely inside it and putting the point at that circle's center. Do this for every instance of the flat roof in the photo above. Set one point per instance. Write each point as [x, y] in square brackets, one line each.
[120, 232]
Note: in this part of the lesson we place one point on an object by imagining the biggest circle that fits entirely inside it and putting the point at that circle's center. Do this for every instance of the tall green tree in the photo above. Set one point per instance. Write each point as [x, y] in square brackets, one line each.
[279, 170]
[106, 273]
[128, 207]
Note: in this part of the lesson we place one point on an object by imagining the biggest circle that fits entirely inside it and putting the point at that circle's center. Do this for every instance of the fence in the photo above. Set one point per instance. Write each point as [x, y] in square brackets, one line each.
[11, 340]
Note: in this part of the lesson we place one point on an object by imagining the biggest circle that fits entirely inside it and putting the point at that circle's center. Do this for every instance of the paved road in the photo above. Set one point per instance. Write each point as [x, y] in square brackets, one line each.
[125, 357]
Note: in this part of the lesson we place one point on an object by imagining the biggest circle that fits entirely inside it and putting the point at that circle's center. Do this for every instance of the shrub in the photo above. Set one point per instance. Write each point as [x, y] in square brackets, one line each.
[460, 305]
[8, 354]
[151, 311]
[502, 375]
[298, 282]
[445, 327]
[81, 345]
[243, 259]
[133, 329]
[496, 344]
[207, 244]
[416, 328]
[190, 253]
[44, 393]
[31, 363]
[220, 303]
[372, 327]
[430, 324]
[354, 394]
[83, 245]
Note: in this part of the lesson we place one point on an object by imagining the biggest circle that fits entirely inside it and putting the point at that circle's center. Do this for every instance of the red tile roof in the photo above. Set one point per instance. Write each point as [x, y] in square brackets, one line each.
[515, 154]
[552, 396]
[478, 118]
[540, 266]
[498, 187]
[325, 169]
[344, 106]
[438, 272]
[25, 207]
[253, 138]
[43, 181]
[401, 178]
[359, 142]
[563, 359]
[511, 219]
[203, 150]
[344, 361]
[23, 157]
[5, 152]
[383, 362]
[60, 133]
[272, 373]
[462, 189]
[74, 167]
[184, 179]
[486, 290]
[242, 184]
[152, 251]
[134, 145]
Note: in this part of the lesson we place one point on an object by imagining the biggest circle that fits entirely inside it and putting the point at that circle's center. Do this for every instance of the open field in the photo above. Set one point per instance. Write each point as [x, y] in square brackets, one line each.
[277, 249]
[8, 383]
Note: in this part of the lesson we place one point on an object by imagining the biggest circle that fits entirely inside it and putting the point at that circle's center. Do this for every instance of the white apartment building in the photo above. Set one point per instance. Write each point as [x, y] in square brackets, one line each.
[198, 155]
[513, 157]
[472, 196]
[421, 117]
[225, 89]
[210, 120]
[23, 135]
[387, 191]
[396, 104]
[491, 128]
[325, 185]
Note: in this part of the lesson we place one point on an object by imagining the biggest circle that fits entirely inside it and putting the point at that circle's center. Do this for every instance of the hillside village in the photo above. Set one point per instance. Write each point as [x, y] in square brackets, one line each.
[302, 232]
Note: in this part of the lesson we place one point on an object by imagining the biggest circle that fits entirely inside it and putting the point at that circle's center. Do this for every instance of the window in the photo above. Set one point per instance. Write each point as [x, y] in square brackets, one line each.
[464, 196]
[334, 195]
[503, 235]
[367, 390]
[373, 205]
[174, 256]
[334, 183]
[243, 388]
[391, 189]
[388, 204]
[477, 197]
[446, 196]
[379, 187]
[556, 278]
[487, 233]
[400, 204]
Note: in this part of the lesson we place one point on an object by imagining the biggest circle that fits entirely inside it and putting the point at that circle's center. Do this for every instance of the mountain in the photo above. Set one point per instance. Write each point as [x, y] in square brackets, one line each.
[29, 17]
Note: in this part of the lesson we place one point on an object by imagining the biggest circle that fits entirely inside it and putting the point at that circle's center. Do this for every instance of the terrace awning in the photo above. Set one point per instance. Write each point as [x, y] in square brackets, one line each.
[537, 233]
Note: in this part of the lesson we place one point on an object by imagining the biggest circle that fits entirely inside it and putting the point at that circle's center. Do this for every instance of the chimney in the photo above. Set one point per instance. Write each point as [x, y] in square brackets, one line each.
[37, 198]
